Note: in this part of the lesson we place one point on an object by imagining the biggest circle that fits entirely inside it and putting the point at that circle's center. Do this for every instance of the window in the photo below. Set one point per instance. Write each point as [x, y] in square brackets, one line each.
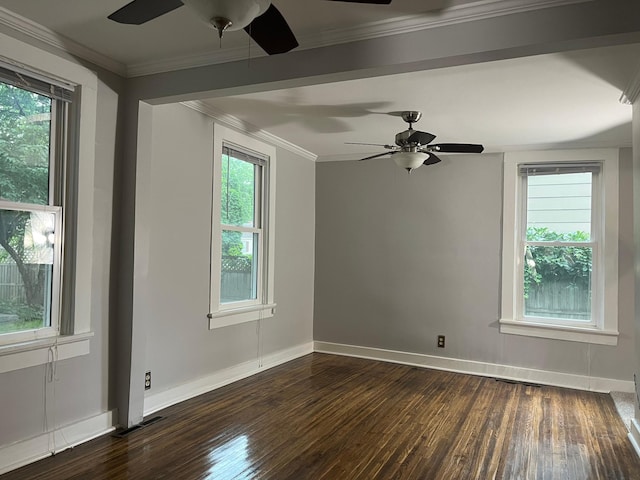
[33, 124]
[64, 329]
[560, 245]
[241, 226]
[242, 229]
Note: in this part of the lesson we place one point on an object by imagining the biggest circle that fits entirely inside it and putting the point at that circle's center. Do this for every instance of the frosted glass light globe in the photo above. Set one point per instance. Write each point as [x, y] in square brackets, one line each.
[409, 160]
[239, 12]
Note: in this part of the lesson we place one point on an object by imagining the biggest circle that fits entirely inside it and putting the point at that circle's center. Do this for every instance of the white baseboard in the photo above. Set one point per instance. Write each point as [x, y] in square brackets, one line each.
[634, 435]
[544, 377]
[21, 453]
[166, 398]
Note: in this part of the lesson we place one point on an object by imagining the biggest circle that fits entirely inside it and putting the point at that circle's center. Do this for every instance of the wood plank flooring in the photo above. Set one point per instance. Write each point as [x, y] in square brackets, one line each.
[331, 417]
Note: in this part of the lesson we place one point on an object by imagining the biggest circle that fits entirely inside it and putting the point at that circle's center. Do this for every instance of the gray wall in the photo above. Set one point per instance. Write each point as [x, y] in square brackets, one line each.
[81, 388]
[401, 259]
[174, 199]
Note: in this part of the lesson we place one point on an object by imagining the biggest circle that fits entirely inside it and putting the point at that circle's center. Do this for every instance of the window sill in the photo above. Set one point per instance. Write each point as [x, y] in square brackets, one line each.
[572, 334]
[36, 352]
[225, 318]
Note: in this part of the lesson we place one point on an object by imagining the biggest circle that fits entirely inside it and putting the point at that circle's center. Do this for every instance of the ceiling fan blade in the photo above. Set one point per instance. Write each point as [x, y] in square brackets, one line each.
[271, 32]
[431, 160]
[457, 148]
[141, 11]
[390, 147]
[376, 156]
[422, 138]
[376, 2]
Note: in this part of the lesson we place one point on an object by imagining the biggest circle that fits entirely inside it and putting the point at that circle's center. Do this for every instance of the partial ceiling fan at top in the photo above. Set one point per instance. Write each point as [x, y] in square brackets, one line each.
[259, 18]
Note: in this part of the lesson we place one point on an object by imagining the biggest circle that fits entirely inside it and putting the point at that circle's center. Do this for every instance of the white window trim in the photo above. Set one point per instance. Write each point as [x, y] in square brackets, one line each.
[38, 351]
[45, 350]
[241, 312]
[604, 330]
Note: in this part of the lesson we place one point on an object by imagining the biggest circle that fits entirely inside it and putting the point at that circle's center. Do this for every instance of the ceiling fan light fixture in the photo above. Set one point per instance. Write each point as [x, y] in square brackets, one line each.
[410, 160]
[228, 14]
[221, 24]
[414, 148]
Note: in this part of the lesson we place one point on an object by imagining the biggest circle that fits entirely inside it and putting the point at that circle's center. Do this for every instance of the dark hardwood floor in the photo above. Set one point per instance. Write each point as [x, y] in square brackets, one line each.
[331, 417]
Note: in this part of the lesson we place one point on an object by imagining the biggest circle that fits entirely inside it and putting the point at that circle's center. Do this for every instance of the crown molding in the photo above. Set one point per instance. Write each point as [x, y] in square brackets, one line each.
[60, 43]
[248, 129]
[631, 94]
[469, 12]
[232, 54]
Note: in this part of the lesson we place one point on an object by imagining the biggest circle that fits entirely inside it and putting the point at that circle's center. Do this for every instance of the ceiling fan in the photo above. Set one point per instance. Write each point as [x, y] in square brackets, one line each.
[413, 148]
[259, 18]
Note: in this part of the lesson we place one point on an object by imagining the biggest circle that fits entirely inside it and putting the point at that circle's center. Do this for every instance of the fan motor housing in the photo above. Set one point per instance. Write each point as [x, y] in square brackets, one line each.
[402, 137]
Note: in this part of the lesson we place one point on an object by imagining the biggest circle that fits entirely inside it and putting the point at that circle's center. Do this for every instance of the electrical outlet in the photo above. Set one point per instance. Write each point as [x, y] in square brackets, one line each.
[440, 341]
[147, 381]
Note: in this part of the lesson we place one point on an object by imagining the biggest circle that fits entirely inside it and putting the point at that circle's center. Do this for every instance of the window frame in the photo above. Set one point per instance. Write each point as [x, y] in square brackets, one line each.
[58, 155]
[77, 295]
[603, 327]
[596, 250]
[260, 214]
[225, 314]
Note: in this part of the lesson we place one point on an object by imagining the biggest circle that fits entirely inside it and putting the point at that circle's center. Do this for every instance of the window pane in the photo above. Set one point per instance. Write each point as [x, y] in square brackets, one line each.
[557, 282]
[559, 207]
[238, 187]
[26, 269]
[239, 272]
[25, 123]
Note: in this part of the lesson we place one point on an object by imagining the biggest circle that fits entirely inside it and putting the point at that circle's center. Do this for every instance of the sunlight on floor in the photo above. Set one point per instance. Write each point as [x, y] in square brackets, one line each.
[230, 460]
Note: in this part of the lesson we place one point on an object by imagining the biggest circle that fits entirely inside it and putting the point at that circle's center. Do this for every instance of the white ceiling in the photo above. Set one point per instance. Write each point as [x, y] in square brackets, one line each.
[555, 100]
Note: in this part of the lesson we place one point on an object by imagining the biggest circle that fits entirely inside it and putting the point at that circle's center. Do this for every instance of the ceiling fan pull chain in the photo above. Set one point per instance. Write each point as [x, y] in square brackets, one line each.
[249, 53]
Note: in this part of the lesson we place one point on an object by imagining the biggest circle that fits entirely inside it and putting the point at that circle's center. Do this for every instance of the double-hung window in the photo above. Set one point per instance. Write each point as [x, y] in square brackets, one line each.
[48, 115]
[33, 143]
[560, 245]
[242, 229]
[241, 226]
